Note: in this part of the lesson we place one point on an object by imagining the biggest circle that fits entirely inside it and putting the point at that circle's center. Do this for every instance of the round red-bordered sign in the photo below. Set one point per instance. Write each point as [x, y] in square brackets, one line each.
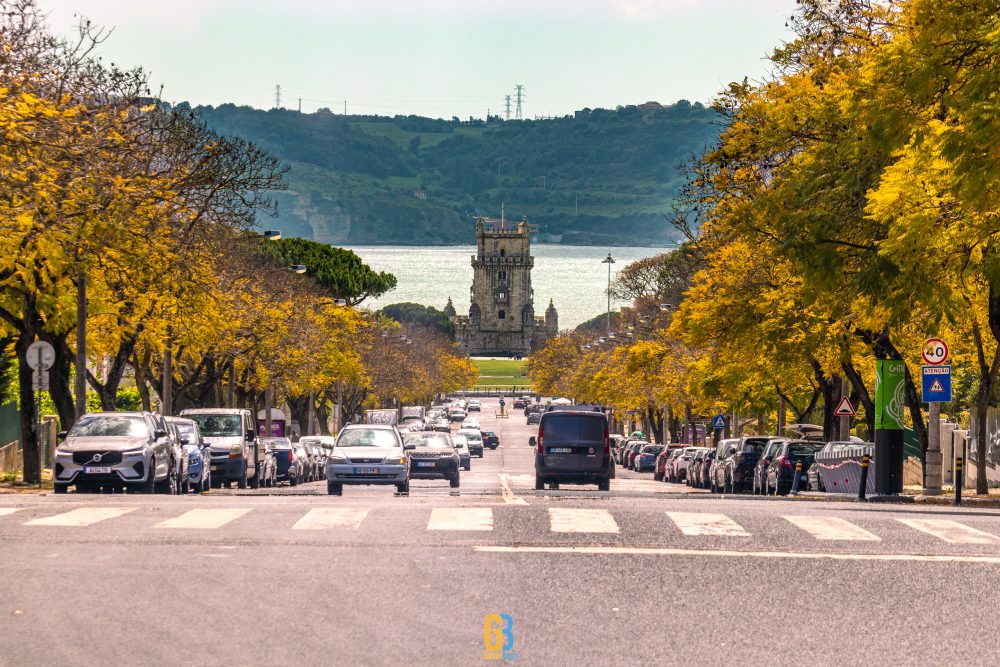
[935, 352]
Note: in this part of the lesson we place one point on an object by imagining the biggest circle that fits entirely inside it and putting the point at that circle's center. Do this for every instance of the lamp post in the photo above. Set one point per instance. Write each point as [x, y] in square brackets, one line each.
[609, 260]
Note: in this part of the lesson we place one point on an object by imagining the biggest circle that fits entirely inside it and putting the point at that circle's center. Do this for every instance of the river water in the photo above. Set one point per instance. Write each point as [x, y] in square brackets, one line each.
[572, 276]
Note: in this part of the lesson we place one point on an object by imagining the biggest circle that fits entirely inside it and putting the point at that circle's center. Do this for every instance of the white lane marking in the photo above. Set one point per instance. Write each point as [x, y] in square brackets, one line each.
[322, 518]
[707, 523]
[950, 531]
[831, 528]
[5, 511]
[507, 494]
[461, 518]
[82, 516]
[576, 520]
[663, 551]
[204, 518]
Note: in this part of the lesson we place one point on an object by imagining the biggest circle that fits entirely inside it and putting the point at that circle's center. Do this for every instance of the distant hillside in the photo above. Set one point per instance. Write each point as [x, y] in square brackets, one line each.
[602, 177]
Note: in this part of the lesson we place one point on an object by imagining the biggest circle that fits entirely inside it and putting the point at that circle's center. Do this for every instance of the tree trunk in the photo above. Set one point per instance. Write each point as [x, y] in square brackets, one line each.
[26, 397]
[830, 387]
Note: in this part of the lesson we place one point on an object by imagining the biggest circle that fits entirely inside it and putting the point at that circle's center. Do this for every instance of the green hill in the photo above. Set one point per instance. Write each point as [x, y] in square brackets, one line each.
[604, 177]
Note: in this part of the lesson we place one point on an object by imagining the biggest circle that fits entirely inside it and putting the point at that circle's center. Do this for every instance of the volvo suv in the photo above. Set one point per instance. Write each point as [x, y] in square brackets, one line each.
[116, 449]
[573, 446]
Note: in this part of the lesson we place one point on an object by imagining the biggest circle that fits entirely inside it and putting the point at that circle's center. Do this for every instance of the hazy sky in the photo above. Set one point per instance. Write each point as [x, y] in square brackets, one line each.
[436, 57]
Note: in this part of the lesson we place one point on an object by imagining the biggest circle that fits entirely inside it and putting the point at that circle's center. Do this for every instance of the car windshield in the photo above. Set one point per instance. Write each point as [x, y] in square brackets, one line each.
[652, 449]
[429, 440]
[473, 436]
[218, 426]
[367, 437]
[279, 443]
[805, 449]
[110, 425]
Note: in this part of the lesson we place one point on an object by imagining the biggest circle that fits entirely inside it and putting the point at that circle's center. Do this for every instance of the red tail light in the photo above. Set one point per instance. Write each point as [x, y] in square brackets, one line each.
[291, 455]
[541, 432]
[607, 440]
[785, 462]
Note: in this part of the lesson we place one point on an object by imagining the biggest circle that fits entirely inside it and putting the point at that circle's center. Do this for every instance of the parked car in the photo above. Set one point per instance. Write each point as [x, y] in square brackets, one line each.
[319, 458]
[117, 449]
[694, 467]
[368, 454]
[573, 447]
[304, 454]
[633, 452]
[781, 471]
[268, 467]
[197, 451]
[760, 470]
[490, 439]
[236, 449]
[705, 472]
[659, 469]
[734, 471]
[645, 460]
[289, 468]
[434, 457]
[679, 464]
[182, 485]
[474, 438]
[473, 406]
[462, 447]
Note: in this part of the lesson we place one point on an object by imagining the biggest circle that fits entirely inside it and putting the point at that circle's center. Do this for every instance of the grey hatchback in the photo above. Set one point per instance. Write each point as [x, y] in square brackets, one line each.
[575, 447]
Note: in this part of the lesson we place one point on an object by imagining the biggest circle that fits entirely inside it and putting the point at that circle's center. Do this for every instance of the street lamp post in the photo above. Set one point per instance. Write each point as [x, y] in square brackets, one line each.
[609, 260]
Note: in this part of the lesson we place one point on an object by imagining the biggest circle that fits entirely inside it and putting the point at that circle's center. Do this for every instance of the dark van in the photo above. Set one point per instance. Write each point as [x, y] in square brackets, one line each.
[573, 446]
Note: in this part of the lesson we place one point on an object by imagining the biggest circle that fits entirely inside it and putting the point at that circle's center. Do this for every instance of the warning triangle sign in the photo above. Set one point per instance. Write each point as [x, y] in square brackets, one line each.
[936, 387]
[844, 408]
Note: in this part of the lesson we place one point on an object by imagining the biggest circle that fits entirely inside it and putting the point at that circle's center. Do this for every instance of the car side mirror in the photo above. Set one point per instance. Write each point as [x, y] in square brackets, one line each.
[250, 436]
[159, 433]
[532, 441]
[407, 447]
[61, 435]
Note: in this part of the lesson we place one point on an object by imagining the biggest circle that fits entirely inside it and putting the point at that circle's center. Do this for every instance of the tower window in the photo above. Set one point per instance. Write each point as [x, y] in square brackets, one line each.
[502, 275]
[503, 252]
[501, 315]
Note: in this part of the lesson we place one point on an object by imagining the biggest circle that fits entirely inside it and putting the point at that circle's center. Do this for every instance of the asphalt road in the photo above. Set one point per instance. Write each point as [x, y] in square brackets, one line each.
[648, 573]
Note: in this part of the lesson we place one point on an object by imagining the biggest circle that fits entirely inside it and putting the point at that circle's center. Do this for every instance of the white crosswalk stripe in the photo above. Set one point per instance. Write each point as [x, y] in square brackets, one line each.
[82, 516]
[204, 518]
[574, 520]
[950, 531]
[831, 528]
[5, 511]
[461, 518]
[323, 518]
[707, 524]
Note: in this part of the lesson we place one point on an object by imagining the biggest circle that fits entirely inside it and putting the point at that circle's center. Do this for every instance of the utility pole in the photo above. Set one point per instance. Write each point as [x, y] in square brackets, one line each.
[277, 96]
[81, 345]
[519, 89]
[345, 107]
[506, 114]
[300, 105]
[609, 260]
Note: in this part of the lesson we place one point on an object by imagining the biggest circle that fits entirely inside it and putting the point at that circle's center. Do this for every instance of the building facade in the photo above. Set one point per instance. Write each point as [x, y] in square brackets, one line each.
[501, 319]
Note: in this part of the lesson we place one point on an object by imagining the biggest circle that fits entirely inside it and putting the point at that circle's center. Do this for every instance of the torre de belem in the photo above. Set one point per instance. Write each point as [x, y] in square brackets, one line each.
[501, 320]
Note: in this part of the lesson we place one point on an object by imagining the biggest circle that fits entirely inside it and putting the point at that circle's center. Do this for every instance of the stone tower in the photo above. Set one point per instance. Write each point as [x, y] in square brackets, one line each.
[501, 317]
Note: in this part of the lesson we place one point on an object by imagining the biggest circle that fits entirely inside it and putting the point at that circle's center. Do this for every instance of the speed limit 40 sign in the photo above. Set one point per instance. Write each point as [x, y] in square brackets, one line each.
[935, 351]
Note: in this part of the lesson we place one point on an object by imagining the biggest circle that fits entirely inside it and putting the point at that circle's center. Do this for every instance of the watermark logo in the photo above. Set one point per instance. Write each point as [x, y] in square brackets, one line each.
[498, 637]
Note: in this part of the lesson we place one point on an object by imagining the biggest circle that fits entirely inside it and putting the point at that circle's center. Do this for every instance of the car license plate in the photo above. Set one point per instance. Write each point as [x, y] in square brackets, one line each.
[560, 450]
[366, 471]
[97, 470]
[425, 464]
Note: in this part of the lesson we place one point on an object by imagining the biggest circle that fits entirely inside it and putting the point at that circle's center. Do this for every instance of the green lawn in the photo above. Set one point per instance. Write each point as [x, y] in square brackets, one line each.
[501, 373]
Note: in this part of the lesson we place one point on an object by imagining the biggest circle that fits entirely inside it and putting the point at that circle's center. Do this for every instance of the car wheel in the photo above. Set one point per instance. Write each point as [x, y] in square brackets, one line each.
[403, 488]
[539, 483]
[169, 485]
[467, 466]
[454, 481]
[334, 489]
[293, 481]
[242, 482]
[60, 488]
[604, 485]
[554, 486]
[657, 477]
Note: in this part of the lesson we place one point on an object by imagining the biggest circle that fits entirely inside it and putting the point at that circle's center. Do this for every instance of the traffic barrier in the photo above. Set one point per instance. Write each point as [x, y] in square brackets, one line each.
[862, 486]
[798, 476]
[841, 470]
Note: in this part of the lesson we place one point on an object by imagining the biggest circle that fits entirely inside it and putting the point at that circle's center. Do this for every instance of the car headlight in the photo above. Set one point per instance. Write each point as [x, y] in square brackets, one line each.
[138, 451]
[194, 459]
[236, 452]
[392, 460]
[63, 452]
[337, 460]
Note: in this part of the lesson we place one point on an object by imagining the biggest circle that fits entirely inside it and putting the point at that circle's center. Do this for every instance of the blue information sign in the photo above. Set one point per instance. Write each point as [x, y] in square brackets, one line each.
[936, 383]
[719, 422]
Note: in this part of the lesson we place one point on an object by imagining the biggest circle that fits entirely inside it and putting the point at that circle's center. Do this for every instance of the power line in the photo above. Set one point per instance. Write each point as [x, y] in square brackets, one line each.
[520, 95]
